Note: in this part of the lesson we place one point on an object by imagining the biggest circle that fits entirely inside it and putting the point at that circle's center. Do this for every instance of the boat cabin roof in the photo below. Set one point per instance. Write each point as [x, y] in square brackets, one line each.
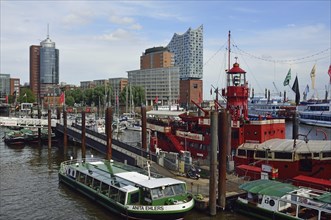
[116, 173]
[268, 187]
[287, 145]
[134, 177]
[155, 183]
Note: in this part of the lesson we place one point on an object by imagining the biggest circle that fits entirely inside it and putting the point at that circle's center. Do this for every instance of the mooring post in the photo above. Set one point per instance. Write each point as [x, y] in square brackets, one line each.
[39, 129]
[213, 162]
[109, 120]
[222, 146]
[229, 161]
[65, 137]
[295, 128]
[83, 135]
[143, 128]
[49, 129]
[58, 113]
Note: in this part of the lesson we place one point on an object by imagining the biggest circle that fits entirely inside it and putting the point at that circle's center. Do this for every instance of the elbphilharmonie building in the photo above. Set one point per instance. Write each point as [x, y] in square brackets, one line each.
[188, 53]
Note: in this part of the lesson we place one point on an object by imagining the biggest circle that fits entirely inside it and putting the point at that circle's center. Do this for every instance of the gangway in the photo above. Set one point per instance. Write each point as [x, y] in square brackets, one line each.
[26, 122]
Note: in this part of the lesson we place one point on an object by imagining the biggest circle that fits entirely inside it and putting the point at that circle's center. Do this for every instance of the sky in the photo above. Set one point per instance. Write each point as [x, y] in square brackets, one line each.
[105, 39]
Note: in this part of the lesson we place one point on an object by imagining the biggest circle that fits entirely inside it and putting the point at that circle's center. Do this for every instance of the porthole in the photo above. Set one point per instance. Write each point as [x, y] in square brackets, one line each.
[271, 202]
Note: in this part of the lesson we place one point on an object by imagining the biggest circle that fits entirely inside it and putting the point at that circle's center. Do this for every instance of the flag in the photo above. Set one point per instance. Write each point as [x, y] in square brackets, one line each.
[7, 99]
[156, 100]
[312, 76]
[295, 89]
[62, 98]
[200, 99]
[211, 91]
[329, 72]
[24, 95]
[287, 78]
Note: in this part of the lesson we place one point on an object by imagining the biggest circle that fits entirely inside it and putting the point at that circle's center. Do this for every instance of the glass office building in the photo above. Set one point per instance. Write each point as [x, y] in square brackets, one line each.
[49, 62]
[188, 51]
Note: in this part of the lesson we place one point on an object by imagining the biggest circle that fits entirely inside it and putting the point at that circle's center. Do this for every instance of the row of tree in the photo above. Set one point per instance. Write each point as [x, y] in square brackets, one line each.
[100, 95]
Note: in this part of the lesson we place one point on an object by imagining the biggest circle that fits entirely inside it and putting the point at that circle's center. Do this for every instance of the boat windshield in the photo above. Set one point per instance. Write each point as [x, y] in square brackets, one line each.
[167, 191]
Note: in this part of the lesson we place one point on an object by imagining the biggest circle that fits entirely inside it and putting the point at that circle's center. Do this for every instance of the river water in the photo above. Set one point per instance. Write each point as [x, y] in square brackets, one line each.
[29, 187]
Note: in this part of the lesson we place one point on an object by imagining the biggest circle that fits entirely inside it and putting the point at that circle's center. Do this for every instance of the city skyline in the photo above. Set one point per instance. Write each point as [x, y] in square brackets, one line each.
[105, 39]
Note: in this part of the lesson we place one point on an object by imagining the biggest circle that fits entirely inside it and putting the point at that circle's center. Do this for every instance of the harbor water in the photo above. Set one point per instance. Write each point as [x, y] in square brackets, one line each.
[29, 187]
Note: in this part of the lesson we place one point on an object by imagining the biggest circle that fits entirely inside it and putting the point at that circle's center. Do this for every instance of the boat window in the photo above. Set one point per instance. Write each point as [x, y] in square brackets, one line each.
[146, 195]
[104, 188]
[241, 152]
[307, 213]
[326, 154]
[121, 197]
[81, 177]
[134, 198]
[89, 180]
[283, 155]
[96, 184]
[250, 153]
[305, 162]
[179, 189]
[316, 155]
[168, 191]
[260, 154]
[325, 215]
[113, 193]
[156, 193]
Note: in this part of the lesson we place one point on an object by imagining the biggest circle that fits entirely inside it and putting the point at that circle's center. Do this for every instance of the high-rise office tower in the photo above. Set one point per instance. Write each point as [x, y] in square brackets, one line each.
[44, 67]
[188, 51]
[34, 69]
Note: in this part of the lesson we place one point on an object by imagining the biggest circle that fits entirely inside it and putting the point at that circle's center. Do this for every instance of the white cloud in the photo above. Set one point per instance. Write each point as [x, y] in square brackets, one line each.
[121, 20]
[119, 34]
[77, 18]
[136, 27]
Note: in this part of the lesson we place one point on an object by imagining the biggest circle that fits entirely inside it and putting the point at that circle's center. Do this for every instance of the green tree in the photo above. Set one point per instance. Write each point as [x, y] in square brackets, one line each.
[70, 101]
[138, 95]
[26, 95]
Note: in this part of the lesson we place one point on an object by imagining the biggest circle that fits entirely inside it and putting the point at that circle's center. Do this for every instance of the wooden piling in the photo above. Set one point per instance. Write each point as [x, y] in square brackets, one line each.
[39, 129]
[143, 128]
[49, 128]
[295, 128]
[222, 146]
[83, 135]
[109, 120]
[213, 162]
[65, 137]
[58, 113]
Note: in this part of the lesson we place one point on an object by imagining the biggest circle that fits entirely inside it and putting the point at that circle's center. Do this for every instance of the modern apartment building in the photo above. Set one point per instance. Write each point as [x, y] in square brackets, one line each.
[161, 84]
[156, 57]
[188, 53]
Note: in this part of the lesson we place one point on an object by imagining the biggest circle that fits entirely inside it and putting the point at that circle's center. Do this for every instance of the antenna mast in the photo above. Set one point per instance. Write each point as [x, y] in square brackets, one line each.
[47, 30]
[229, 50]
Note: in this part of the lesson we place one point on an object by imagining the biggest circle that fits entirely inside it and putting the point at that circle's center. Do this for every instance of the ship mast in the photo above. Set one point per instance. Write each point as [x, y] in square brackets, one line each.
[229, 50]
